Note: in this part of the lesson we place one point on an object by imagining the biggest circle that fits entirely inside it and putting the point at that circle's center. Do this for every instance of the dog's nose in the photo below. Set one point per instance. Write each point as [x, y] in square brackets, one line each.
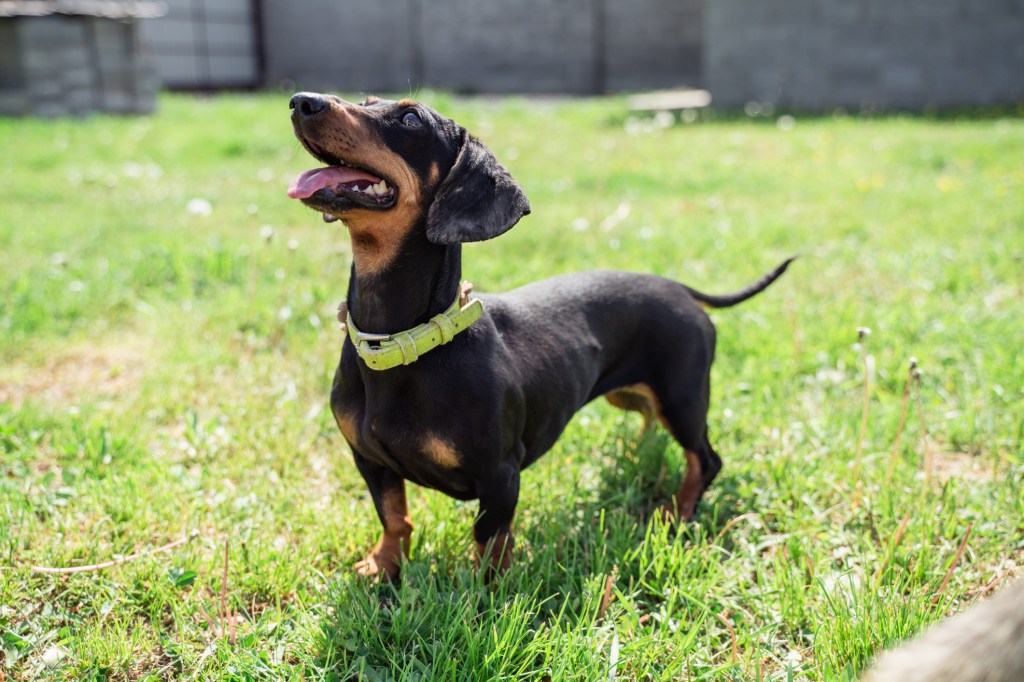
[308, 104]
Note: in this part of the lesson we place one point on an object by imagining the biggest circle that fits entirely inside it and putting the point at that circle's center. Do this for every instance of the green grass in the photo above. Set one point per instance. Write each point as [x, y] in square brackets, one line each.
[163, 373]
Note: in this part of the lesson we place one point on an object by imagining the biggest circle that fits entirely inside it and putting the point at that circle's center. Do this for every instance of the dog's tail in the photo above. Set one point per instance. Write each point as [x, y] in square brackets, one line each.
[709, 301]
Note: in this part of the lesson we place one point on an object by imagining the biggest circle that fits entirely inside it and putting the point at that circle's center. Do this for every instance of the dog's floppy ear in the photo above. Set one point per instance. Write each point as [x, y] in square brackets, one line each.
[478, 200]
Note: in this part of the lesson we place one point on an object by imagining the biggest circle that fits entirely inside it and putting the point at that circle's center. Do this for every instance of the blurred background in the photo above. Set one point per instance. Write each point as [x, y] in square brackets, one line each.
[60, 57]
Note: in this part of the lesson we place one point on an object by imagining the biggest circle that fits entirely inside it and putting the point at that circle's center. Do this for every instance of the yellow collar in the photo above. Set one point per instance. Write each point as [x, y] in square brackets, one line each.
[405, 348]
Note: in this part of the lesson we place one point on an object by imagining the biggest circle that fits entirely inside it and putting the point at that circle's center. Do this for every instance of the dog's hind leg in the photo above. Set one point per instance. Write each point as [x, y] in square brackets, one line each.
[685, 417]
[493, 529]
[636, 398]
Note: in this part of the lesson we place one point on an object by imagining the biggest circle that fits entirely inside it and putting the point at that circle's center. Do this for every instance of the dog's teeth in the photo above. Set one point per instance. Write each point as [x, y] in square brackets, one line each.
[382, 187]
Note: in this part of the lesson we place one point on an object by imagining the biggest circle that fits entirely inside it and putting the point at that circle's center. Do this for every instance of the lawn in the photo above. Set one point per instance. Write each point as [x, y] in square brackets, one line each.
[167, 342]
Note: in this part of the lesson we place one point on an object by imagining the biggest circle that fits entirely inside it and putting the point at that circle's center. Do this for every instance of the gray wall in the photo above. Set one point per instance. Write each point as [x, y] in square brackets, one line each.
[321, 44]
[814, 54]
[653, 43]
[543, 45]
[574, 46]
[61, 65]
[205, 44]
[864, 53]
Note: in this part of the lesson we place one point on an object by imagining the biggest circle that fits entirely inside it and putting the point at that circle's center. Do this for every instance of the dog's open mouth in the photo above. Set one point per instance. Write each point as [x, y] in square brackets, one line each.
[338, 187]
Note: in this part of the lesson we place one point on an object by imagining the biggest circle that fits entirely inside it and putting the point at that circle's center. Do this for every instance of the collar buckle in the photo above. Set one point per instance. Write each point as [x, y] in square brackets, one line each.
[357, 336]
[363, 336]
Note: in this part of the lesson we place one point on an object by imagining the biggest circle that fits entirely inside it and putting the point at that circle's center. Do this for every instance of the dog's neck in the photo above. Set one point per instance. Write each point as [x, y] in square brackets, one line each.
[420, 282]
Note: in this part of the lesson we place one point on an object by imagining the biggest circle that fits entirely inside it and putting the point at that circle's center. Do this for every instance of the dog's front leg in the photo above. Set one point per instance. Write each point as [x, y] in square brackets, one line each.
[493, 530]
[388, 492]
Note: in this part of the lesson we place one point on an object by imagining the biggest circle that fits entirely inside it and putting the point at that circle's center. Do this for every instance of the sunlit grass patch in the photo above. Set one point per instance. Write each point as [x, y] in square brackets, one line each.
[167, 341]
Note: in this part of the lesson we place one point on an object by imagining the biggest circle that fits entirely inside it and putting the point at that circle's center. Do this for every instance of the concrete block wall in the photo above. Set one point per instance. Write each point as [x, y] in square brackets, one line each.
[821, 54]
[200, 44]
[816, 54]
[652, 44]
[554, 46]
[339, 44]
[539, 45]
[61, 65]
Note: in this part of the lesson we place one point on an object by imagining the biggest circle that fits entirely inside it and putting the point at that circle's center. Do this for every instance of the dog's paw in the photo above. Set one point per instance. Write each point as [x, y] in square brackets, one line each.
[495, 557]
[381, 564]
[672, 512]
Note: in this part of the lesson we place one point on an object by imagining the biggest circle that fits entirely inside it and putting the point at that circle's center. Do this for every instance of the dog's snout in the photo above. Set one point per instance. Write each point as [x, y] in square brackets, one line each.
[308, 104]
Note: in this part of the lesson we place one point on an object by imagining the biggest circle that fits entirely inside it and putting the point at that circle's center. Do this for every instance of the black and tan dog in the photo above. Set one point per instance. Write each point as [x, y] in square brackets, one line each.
[459, 393]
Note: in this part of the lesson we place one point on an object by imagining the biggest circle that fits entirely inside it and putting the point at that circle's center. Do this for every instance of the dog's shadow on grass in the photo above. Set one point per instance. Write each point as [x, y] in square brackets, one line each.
[566, 550]
[614, 527]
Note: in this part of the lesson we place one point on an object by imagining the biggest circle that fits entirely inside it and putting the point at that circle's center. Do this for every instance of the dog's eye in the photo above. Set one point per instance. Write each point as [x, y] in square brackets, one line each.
[412, 120]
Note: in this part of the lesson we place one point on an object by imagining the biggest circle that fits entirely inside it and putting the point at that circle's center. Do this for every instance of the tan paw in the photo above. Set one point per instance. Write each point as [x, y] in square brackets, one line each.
[495, 557]
[382, 563]
[672, 512]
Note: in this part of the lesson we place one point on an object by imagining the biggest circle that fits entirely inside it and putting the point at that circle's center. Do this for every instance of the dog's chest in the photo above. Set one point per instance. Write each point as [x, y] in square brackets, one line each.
[392, 435]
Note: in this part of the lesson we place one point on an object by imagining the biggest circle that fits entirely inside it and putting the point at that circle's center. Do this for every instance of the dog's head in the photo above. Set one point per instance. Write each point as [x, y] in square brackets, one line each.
[394, 167]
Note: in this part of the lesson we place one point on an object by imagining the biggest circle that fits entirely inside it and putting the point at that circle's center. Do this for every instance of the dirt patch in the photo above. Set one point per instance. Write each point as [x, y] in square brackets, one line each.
[965, 465]
[85, 372]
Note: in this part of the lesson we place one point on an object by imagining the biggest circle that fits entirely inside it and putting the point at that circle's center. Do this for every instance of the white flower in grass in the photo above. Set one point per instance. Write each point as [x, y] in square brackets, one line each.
[53, 656]
[199, 207]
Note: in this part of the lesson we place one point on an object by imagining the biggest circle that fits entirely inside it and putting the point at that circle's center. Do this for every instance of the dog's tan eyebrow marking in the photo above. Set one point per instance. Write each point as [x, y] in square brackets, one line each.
[406, 103]
[370, 100]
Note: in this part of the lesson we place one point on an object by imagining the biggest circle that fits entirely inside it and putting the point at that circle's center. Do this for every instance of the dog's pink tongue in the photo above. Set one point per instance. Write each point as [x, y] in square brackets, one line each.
[309, 182]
